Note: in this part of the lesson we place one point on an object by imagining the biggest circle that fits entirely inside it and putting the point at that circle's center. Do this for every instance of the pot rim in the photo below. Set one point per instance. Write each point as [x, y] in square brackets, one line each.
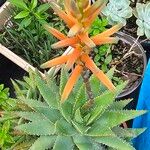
[132, 39]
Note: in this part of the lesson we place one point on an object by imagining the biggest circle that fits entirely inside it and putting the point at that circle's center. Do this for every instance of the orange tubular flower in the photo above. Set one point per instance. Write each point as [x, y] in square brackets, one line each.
[78, 16]
[72, 80]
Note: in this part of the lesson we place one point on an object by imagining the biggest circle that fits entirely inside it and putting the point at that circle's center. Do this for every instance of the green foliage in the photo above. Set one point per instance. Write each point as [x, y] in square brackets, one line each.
[6, 103]
[67, 126]
[98, 26]
[143, 21]
[117, 80]
[117, 12]
[102, 56]
[33, 43]
[4, 94]
[57, 23]
[30, 11]
[5, 137]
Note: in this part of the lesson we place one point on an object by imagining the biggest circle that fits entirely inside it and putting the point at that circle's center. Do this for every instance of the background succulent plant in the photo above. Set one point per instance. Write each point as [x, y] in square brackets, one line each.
[118, 11]
[45, 123]
[143, 19]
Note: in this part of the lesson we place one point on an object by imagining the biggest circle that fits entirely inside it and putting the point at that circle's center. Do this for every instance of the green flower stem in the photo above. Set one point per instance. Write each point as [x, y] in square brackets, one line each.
[85, 76]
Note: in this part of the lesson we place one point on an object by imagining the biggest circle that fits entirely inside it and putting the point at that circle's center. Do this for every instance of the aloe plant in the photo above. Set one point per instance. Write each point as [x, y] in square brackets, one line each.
[118, 11]
[70, 125]
[143, 20]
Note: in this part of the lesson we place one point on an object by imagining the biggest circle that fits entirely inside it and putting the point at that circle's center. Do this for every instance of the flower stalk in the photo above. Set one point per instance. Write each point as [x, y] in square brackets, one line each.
[79, 16]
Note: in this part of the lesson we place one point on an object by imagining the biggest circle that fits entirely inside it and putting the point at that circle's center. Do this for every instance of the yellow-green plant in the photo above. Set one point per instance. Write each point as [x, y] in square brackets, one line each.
[30, 12]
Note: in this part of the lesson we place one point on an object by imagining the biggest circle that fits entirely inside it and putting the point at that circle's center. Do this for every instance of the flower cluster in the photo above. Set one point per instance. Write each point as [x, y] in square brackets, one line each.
[79, 16]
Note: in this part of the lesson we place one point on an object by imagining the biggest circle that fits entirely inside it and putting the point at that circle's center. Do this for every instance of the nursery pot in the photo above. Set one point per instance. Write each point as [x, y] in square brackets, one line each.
[139, 50]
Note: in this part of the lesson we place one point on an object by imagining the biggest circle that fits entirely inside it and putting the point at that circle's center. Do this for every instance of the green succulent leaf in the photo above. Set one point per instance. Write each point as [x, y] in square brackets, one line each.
[83, 142]
[143, 20]
[65, 128]
[109, 118]
[9, 139]
[63, 80]
[63, 143]
[33, 103]
[18, 90]
[101, 104]
[31, 116]
[78, 117]
[67, 110]
[127, 133]
[81, 128]
[97, 87]
[52, 84]
[43, 142]
[119, 105]
[117, 12]
[114, 142]
[80, 98]
[50, 113]
[100, 132]
[121, 87]
[37, 127]
[98, 26]
[49, 96]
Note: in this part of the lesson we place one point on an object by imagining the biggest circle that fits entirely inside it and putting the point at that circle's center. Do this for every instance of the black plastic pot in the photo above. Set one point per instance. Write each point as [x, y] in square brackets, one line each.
[8, 71]
[133, 91]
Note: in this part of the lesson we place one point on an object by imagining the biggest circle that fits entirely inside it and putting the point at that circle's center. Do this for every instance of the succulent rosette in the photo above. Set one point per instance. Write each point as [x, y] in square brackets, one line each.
[117, 11]
[143, 19]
